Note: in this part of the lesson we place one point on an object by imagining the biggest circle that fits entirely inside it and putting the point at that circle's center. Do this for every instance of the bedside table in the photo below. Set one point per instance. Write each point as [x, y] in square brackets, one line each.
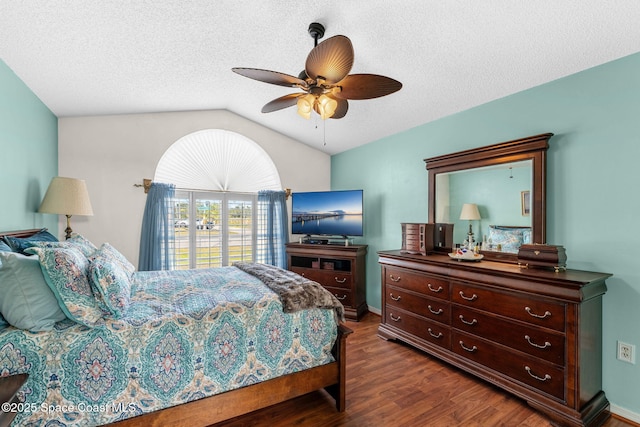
[9, 387]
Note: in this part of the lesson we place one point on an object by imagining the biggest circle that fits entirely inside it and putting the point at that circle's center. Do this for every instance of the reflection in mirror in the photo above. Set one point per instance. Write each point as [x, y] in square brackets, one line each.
[508, 183]
[499, 191]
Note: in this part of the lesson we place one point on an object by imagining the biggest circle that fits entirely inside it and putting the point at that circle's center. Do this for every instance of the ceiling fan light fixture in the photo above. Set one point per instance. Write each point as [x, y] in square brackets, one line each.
[305, 105]
[326, 106]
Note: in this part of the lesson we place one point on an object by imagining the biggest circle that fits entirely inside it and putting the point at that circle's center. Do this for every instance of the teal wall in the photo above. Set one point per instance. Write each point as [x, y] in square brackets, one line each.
[28, 154]
[592, 187]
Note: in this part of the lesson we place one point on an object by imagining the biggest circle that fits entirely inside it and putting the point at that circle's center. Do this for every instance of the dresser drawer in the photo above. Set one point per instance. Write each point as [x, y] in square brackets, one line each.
[422, 283]
[343, 295]
[433, 332]
[326, 277]
[432, 308]
[544, 376]
[535, 341]
[535, 311]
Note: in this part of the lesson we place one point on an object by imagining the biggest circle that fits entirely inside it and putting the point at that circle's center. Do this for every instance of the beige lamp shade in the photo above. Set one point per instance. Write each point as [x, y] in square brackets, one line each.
[66, 196]
[470, 212]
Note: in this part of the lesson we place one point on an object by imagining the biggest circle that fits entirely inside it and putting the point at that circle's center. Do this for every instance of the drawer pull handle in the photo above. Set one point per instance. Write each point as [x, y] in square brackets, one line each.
[471, 298]
[532, 314]
[395, 319]
[438, 335]
[398, 298]
[432, 289]
[466, 322]
[343, 297]
[546, 343]
[394, 279]
[344, 279]
[547, 377]
[465, 348]
[438, 311]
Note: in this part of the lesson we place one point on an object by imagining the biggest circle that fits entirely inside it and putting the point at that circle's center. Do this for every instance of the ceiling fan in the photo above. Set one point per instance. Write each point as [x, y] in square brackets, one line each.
[325, 81]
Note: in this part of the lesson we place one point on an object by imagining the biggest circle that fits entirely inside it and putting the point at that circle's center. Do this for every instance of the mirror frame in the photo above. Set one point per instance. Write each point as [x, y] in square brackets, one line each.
[530, 148]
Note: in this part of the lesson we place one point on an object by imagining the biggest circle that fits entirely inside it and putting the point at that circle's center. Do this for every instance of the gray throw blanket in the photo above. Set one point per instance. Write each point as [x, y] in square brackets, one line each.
[295, 292]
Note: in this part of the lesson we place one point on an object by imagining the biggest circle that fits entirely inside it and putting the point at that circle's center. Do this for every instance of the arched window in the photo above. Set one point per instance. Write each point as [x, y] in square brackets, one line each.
[217, 174]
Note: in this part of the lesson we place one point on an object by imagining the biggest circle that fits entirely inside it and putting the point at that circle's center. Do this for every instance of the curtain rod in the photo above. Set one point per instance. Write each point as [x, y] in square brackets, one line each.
[146, 184]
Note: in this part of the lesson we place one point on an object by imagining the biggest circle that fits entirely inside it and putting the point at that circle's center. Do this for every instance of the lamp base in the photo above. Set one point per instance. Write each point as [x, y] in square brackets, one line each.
[68, 230]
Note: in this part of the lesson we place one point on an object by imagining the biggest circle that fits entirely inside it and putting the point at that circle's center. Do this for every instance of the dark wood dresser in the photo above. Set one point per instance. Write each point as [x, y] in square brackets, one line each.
[338, 268]
[534, 333]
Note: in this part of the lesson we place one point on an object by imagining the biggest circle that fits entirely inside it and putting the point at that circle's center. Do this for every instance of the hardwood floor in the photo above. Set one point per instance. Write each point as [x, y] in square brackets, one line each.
[391, 384]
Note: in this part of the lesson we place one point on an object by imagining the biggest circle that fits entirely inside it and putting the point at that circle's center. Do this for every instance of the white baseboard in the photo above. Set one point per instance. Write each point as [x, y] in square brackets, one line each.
[374, 310]
[625, 413]
[615, 409]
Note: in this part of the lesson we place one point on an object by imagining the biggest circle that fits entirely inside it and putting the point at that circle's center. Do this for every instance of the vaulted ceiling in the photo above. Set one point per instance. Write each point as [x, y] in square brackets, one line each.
[121, 56]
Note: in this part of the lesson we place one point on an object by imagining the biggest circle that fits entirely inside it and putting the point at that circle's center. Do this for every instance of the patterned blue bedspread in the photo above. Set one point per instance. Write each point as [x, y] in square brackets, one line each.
[187, 335]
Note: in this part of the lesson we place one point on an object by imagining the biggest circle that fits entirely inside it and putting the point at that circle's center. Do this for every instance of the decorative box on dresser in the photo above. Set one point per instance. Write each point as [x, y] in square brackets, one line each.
[535, 333]
[338, 268]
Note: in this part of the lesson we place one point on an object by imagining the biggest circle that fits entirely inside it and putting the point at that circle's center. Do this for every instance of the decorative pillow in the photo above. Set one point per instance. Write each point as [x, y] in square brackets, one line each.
[26, 301]
[111, 284]
[19, 244]
[112, 253]
[65, 271]
[509, 238]
[75, 241]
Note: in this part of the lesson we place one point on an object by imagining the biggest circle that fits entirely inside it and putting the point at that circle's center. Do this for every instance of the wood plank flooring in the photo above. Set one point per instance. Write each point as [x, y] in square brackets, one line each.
[391, 384]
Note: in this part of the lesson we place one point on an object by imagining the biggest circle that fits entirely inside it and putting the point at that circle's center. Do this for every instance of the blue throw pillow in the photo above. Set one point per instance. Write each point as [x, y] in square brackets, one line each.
[26, 301]
[19, 244]
[76, 241]
[4, 247]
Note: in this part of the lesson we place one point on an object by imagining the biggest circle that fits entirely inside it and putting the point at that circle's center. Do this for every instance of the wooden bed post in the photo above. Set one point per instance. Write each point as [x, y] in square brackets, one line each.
[338, 391]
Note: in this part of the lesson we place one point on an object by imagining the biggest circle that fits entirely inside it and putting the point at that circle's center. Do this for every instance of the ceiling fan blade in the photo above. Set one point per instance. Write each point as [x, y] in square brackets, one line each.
[366, 86]
[341, 109]
[273, 77]
[332, 59]
[282, 102]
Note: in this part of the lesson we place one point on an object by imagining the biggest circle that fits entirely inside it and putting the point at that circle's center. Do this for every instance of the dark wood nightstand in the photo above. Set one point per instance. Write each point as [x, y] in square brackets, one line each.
[9, 387]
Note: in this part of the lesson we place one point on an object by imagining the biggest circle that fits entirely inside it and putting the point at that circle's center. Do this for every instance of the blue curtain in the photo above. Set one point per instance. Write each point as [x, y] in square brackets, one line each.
[157, 237]
[273, 228]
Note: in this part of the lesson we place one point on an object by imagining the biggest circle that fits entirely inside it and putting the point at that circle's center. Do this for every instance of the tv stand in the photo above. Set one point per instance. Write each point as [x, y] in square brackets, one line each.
[338, 268]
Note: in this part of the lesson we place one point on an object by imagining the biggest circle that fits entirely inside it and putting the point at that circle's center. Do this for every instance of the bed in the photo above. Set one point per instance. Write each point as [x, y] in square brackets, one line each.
[184, 348]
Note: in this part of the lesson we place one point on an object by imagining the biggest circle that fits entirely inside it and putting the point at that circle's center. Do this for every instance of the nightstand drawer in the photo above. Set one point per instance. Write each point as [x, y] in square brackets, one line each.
[432, 286]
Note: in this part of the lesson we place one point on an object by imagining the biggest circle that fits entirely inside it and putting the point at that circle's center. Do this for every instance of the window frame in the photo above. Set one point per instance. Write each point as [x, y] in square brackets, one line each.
[193, 196]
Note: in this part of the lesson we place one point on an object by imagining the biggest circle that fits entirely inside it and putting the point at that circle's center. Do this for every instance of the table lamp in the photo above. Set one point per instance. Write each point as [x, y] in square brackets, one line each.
[66, 196]
[470, 212]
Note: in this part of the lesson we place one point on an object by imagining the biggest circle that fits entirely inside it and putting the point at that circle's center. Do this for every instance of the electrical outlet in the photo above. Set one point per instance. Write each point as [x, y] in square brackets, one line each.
[626, 352]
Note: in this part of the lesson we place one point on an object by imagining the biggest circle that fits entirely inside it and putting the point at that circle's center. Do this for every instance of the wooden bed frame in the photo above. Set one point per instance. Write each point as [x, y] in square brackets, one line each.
[230, 404]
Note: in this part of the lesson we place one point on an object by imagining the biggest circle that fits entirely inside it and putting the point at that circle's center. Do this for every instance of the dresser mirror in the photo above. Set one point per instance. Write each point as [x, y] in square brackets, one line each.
[506, 182]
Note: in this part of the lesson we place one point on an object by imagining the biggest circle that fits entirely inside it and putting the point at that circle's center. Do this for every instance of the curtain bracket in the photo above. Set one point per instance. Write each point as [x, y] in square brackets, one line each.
[146, 184]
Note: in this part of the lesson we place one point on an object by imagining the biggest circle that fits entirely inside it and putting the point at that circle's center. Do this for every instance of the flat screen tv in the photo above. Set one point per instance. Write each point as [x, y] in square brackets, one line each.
[327, 213]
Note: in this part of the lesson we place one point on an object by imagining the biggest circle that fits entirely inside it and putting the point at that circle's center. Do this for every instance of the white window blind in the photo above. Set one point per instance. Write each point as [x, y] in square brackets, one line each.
[217, 174]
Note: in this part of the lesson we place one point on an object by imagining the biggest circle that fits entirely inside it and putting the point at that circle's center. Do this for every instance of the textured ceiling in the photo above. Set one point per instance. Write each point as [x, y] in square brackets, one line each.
[118, 57]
